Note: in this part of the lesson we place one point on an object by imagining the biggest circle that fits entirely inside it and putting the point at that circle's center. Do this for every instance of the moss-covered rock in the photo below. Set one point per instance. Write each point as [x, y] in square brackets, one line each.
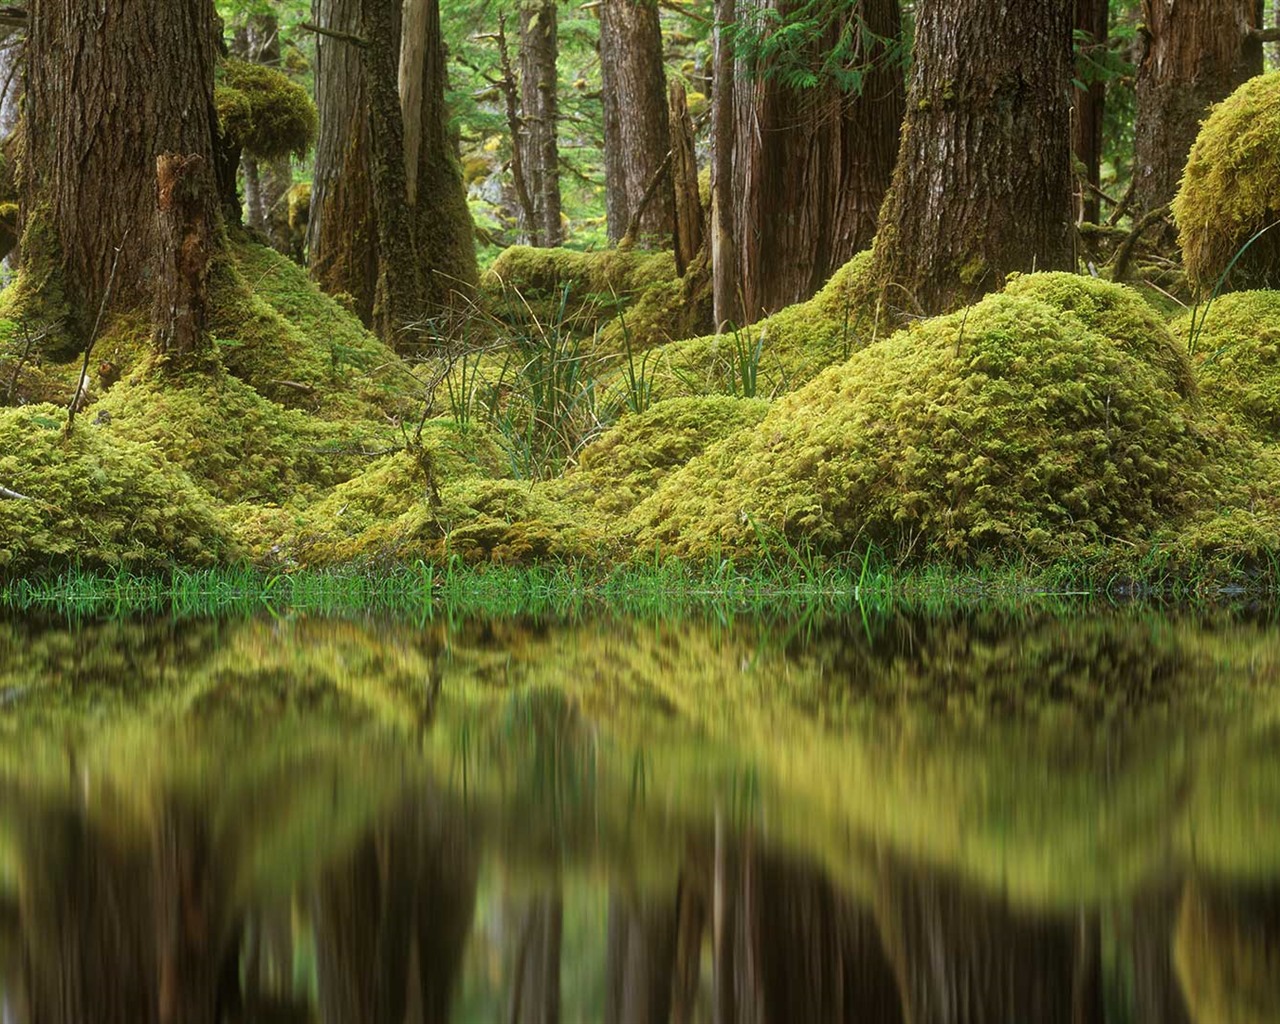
[1012, 426]
[97, 499]
[1236, 355]
[262, 111]
[785, 350]
[1231, 190]
[627, 463]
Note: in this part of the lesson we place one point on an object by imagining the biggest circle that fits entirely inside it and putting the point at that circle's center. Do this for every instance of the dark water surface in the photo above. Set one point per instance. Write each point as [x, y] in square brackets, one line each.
[981, 817]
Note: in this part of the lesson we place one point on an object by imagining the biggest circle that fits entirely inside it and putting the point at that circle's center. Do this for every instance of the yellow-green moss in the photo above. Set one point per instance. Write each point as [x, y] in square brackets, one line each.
[264, 112]
[794, 344]
[628, 462]
[1236, 344]
[1231, 190]
[97, 499]
[237, 444]
[1007, 427]
[1227, 953]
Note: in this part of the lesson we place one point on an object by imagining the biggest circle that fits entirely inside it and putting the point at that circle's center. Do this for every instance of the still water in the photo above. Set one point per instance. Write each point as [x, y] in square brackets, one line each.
[1041, 816]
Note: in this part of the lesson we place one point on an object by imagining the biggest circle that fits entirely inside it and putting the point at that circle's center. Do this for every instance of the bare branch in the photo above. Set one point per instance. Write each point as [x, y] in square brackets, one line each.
[12, 495]
[344, 37]
[1266, 35]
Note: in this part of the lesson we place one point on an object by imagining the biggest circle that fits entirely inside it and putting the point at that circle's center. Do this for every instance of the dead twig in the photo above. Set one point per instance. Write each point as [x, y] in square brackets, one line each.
[82, 387]
[1124, 255]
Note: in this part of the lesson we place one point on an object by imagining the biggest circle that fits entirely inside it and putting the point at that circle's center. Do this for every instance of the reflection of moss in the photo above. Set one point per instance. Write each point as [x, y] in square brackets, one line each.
[1011, 426]
[97, 499]
[1231, 190]
[1227, 952]
[1237, 357]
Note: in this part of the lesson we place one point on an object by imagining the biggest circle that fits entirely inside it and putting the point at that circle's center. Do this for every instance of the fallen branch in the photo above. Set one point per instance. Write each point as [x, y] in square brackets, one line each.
[12, 495]
[82, 387]
[628, 238]
[343, 37]
[1120, 265]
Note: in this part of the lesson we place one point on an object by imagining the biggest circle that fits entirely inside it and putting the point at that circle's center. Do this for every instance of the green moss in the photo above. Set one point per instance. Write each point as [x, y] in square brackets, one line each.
[795, 343]
[1227, 958]
[237, 444]
[1008, 427]
[628, 462]
[264, 112]
[38, 296]
[1236, 343]
[1231, 190]
[97, 498]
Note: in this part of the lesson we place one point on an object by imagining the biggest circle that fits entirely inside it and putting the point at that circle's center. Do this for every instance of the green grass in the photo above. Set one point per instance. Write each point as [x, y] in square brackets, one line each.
[792, 583]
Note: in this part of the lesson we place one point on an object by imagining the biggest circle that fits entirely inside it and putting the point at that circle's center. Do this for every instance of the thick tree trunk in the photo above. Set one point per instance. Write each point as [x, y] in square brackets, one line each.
[398, 302]
[1089, 106]
[726, 291]
[689, 230]
[342, 236]
[982, 185]
[540, 117]
[636, 133]
[1197, 53]
[112, 85]
[443, 231]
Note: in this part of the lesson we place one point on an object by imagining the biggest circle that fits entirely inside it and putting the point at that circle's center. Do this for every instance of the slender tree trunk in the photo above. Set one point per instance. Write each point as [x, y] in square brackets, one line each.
[1197, 53]
[811, 166]
[342, 235]
[689, 230]
[89, 183]
[636, 132]
[982, 185]
[443, 231]
[540, 115]
[535, 980]
[726, 292]
[398, 302]
[266, 185]
[1092, 20]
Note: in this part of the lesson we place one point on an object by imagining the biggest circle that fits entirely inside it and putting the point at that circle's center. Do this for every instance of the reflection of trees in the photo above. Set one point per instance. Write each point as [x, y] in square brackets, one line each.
[538, 927]
[393, 917]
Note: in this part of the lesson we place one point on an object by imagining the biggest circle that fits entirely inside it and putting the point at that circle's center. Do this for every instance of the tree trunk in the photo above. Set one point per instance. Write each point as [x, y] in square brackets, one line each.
[266, 184]
[1089, 106]
[185, 248]
[539, 108]
[636, 133]
[398, 301]
[726, 292]
[640, 961]
[535, 981]
[688, 225]
[982, 185]
[443, 231]
[342, 236]
[90, 171]
[1197, 53]
[811, 166]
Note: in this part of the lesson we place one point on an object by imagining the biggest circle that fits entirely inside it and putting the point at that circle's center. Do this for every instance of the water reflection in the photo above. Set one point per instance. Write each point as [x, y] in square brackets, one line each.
[966, 820]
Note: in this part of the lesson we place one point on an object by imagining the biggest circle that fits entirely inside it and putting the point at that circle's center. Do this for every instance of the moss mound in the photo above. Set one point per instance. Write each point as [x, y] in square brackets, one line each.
[237, 444]
[1231, 190]
[263, 112]
[1008, 427]
[97, 499]
[626, 464]
[1236, 346]
[786, 349]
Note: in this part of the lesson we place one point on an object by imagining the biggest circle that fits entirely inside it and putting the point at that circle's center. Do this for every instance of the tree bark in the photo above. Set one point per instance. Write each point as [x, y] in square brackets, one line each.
[1197, 53]
[398, 301]
[811, 166]
[185, 248]
[688, 226]
[112, 85]
[540, 119]
[982, 185]
[443, 231]
[636, 132]
[342, 235]
[1089, 107]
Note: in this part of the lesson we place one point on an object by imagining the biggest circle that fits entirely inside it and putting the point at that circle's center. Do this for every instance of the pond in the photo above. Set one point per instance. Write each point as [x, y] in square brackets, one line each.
[1028, 814]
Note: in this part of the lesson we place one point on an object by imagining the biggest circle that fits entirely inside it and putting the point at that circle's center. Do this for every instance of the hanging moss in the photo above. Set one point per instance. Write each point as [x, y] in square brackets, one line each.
[1011, 426]
[97, 499]
[263, 112]
[628, 462]
[1236, 343]
[1231, 190]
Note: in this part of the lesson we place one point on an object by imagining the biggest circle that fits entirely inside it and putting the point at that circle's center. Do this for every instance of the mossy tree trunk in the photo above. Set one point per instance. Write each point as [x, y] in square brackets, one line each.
[726, 292]
[688, 225]
[443, 230]
[982, 185]
[112, 85]
[540, 155]
[1089, 107]
[1197, 52]
[342, 241]
[811, 165]
[636, 132]
[266, 182]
